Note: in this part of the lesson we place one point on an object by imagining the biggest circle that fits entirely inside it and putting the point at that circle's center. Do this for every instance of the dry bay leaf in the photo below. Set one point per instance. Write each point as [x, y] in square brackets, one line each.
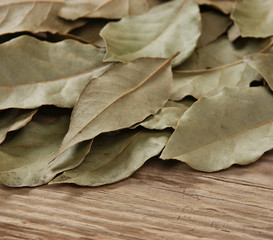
[254, 18]
[26, 160]
[215, 66]
[211, 82]
[116, 157]
[110, 9]
[145, 36]
[223, 52]
[233, 127]
[46, 73]
[122, 96]
[167, 117]
[14, 119]
[33, 16]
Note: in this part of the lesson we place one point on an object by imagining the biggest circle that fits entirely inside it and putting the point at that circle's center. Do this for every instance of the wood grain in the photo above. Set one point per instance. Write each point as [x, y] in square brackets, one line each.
[163, 200]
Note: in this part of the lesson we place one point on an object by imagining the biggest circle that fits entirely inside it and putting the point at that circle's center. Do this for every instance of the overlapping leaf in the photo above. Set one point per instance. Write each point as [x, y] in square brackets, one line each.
[236, 127]
[35, 73]
[115, 157]
[254, 18]
[230, 123]
[222, 52]
[167, 117]
[14, 119]
[27, 159]
[215, 66]
[146, 36]
[110, 9]
[211, 82]
[122, 96]
[33, 16]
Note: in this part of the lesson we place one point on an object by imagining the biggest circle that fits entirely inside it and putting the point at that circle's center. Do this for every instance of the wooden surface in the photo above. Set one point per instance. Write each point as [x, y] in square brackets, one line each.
[163, 200]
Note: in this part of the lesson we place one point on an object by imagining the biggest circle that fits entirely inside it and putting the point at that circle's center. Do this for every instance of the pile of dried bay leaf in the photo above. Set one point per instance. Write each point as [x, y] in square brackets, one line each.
[91, 89]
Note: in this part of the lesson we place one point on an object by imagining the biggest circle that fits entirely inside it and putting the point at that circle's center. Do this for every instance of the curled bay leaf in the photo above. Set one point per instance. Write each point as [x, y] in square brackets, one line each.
[122, 96]
[213, 26]
[167, 117]
[33, 16]
[46, 73]
[27, 159]
[262, 63]
[110, 9]
[233, 127]
[215, 66]
[145, 36]
[14, 119]
[254, 18]
[115, 157]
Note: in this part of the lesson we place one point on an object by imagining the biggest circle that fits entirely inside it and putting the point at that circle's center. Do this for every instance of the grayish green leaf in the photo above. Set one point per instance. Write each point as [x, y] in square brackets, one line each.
[211, 82]
[233, 127]
[215, 66]
[146, 36]
[46, 73]
[223, 52]
[27, 159]
[122, 96]
[115, 157]
[254, 18]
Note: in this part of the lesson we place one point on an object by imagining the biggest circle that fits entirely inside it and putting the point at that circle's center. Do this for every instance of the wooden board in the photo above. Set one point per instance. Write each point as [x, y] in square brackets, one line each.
[163, 200]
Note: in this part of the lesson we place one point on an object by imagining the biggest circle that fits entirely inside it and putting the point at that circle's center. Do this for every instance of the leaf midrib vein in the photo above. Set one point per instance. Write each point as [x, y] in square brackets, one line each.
[162, 33]
[225, 65]
[96, 9]
[228, 137]
[58, 79]
[132, 138]
[123, 95]
[170, 24]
